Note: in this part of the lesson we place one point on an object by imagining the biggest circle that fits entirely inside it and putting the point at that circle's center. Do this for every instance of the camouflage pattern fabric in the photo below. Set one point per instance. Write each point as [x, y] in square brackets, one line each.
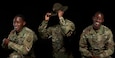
[56, 34]
[68, 27]
[96, 42]
[21, 43]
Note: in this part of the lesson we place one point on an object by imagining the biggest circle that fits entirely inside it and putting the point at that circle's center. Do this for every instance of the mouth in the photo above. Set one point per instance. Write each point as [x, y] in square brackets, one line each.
[15, 27]
[96, 23]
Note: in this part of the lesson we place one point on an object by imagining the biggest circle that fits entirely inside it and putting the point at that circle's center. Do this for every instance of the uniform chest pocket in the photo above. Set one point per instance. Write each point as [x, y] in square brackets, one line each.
[20, 40]
[105, 38]
[102, 38]
[97, 37]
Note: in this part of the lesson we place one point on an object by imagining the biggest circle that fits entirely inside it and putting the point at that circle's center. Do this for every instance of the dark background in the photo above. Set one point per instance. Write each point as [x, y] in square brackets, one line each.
[80, 12]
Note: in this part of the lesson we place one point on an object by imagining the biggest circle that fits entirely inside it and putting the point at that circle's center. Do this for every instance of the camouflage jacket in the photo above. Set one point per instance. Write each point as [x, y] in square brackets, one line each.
[65, 24]
[23, 41]
[96, 42]
[56, 32]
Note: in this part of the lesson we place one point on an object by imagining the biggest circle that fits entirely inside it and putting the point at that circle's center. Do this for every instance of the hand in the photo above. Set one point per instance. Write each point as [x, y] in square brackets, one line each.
[5, 41]
[47, 16]
[95, 57]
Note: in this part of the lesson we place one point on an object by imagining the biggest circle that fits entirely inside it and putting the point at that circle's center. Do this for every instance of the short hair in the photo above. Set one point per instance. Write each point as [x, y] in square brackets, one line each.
[99, 12]
[20, 15]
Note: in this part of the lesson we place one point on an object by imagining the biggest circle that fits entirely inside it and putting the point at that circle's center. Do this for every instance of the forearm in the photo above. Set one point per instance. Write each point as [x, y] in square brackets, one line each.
[19, 48]
[107, 52]
[109, 46]
[84, 46]
[85, 52]
[3, 45]
[42, 26]
[42, 29]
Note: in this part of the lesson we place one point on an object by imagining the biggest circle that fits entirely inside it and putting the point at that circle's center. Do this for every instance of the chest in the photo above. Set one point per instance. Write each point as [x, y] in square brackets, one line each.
[17, 38]
[56, 34]
[96, 38]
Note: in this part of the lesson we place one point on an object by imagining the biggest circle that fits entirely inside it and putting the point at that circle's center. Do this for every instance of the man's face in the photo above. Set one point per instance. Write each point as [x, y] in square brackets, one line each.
[18, 23]
[98, 19]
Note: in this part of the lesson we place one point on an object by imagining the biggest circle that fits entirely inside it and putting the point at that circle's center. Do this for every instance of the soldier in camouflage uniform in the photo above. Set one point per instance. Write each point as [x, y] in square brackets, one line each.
[20, 39]
[56, 32]
[96, 41]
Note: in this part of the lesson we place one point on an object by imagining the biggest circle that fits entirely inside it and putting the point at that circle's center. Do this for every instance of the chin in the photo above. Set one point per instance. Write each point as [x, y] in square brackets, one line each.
[17, 30]
[97, 28]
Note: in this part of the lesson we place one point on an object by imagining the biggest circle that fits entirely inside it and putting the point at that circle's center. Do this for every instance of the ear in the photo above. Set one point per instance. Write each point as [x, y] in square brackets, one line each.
[24, 23]
[103, 20]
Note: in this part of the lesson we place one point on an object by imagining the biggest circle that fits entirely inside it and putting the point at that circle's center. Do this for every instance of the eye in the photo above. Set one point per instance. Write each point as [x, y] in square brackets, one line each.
[95, 18]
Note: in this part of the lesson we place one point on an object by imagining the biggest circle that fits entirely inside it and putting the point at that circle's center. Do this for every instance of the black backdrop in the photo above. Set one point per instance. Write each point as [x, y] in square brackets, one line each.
[80, 12]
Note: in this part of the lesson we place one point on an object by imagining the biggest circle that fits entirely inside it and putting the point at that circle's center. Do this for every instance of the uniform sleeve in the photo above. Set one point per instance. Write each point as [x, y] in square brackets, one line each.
[25, 47]
[83, 46]
[62, 21]
[4, 46]
[67, 26]
[109, 46]
[43, 32]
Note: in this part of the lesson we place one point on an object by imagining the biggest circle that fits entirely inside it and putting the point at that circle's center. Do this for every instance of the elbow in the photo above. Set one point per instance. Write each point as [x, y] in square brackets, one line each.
[25, 51]
[112, 51]
[80, 49]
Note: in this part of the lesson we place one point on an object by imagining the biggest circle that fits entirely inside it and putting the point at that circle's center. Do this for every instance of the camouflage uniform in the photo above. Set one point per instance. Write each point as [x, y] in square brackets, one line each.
[96, 42]
[67, 26]
[56, 33]
[22, 43]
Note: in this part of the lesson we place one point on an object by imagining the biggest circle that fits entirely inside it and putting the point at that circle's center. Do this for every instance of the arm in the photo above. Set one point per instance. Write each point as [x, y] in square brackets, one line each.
[83, 46]
[43, 32]
[42, 27]
[6, 40]
[67, 26]
[109, 46]
[25, 47]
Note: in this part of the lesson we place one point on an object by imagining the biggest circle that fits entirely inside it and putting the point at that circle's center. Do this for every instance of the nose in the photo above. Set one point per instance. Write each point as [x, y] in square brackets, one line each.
[15, 24]
[97, 19]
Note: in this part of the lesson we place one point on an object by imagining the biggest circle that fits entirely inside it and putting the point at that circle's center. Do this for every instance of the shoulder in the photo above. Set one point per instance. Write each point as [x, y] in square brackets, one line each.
[12, 31]
[87, 29]
[28, 30]
[69, 21]
[107, 29]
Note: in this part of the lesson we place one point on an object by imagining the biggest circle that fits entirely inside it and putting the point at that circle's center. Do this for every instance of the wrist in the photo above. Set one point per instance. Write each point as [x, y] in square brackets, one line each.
[6, 41]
